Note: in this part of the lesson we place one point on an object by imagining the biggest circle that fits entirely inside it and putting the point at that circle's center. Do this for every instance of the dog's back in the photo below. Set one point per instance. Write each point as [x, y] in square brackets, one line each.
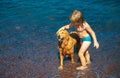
[75, 36]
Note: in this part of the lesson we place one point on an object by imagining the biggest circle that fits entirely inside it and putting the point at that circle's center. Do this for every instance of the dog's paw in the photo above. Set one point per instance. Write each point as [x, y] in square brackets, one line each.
[60, 67]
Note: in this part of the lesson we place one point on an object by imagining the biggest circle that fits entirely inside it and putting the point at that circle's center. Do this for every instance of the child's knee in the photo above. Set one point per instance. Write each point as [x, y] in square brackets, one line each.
[87, 53]
[81, 54]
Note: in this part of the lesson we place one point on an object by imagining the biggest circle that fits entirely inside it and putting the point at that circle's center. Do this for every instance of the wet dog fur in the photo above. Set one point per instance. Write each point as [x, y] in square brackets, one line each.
[66, 44]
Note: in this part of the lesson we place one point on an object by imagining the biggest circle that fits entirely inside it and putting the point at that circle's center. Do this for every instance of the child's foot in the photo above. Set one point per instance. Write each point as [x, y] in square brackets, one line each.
[88, 63]
[81, 68]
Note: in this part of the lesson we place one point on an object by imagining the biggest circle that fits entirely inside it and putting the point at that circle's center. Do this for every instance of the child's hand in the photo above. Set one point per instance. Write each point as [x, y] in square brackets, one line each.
[62, 28]
[96, 44]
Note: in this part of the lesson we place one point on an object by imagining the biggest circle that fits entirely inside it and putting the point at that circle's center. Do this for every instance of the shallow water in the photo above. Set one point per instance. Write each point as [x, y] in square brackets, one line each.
[28, 45]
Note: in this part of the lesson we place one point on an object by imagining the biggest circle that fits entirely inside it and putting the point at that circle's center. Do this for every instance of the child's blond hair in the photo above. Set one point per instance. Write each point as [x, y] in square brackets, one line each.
[77, 16]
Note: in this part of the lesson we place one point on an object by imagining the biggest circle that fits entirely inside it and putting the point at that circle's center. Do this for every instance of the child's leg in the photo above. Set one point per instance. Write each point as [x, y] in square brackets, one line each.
[82, 50]
[87, 56]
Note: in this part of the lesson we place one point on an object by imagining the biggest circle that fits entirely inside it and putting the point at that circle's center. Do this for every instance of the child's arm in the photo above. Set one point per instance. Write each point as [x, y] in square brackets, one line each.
[66, 26]
[90, 30]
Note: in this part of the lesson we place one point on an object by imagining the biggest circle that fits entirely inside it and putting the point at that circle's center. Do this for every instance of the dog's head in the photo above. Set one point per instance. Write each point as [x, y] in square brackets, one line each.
[62, 34]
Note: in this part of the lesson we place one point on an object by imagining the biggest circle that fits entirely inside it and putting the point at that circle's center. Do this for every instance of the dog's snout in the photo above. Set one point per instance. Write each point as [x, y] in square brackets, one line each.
[58, 36]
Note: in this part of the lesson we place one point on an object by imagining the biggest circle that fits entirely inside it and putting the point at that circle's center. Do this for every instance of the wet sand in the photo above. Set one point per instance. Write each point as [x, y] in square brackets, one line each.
[31, 58]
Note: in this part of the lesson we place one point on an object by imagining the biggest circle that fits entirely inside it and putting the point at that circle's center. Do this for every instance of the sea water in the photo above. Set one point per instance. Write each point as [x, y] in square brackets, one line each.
[28, 45]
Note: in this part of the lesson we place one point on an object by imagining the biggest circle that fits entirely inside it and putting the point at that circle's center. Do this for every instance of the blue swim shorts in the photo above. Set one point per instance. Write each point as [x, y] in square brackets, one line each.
[88, 38]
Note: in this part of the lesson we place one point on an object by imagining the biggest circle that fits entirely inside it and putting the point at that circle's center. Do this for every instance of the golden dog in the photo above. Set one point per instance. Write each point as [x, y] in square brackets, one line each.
[66, 43]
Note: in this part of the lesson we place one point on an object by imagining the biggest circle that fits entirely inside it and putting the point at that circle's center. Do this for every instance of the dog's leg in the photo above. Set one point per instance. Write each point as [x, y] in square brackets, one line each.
[61, 61]
[72, 58]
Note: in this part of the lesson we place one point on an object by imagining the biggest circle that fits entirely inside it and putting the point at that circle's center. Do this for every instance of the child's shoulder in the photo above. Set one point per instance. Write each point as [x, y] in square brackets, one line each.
[86, 24]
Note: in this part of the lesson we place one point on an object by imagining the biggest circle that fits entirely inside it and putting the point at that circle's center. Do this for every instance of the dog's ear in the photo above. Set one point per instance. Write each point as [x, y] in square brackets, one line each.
[67, 38]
